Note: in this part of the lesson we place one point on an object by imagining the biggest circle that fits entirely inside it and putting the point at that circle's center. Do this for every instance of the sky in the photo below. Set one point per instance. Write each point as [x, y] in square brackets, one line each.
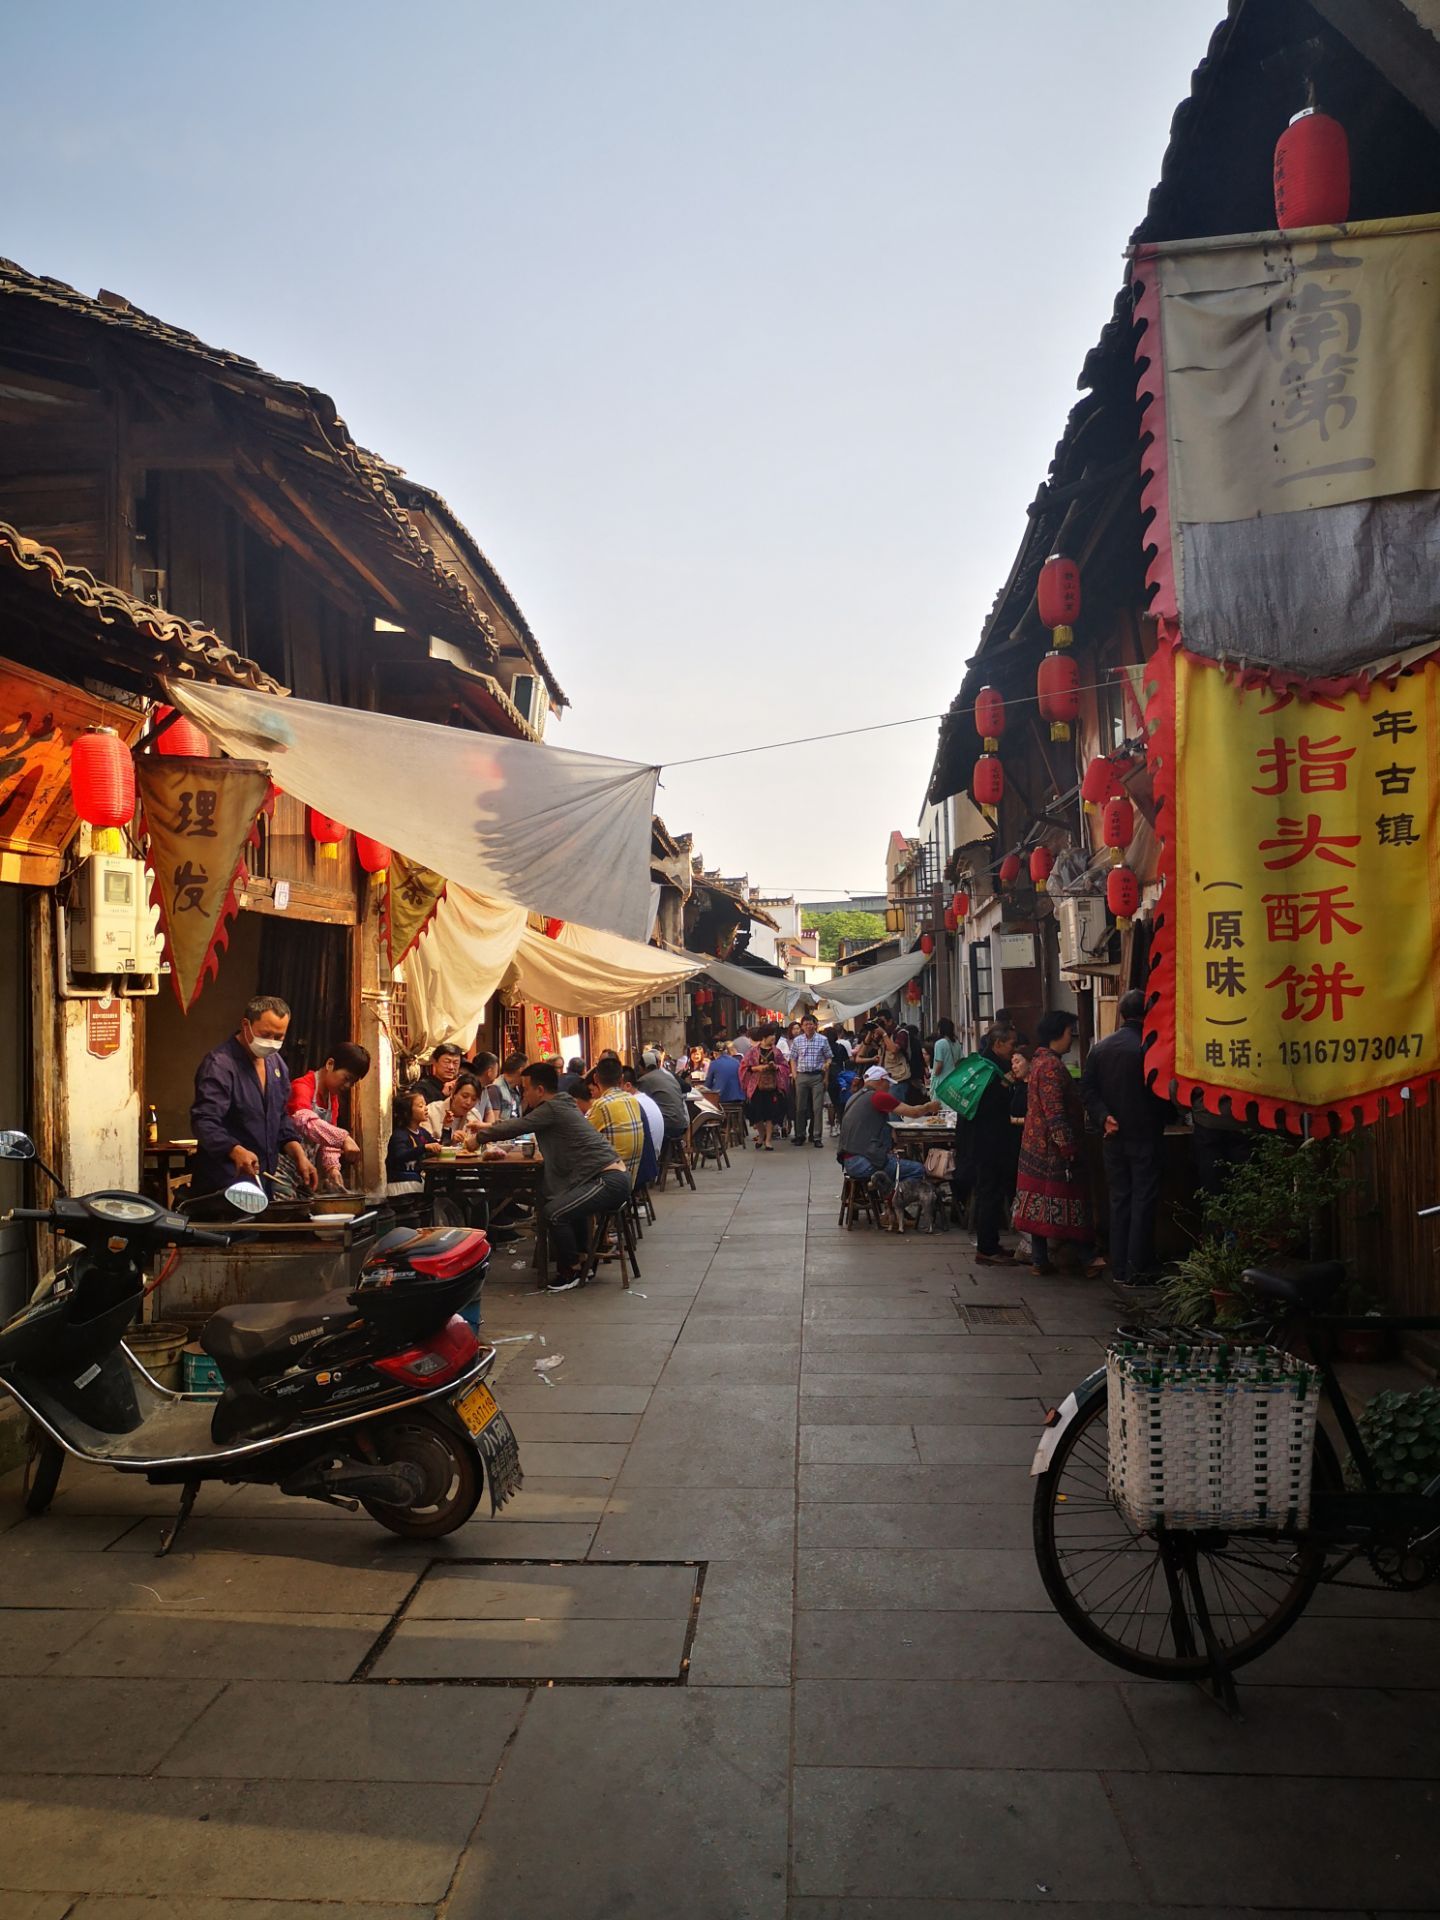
[740, 336]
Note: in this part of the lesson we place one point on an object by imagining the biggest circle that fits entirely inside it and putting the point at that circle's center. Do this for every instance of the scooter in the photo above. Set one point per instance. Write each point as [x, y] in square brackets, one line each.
[373, 1397]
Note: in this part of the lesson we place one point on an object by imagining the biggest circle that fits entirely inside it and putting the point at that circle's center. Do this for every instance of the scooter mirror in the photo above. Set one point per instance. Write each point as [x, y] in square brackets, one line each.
[16, 1146]
[247, 1196]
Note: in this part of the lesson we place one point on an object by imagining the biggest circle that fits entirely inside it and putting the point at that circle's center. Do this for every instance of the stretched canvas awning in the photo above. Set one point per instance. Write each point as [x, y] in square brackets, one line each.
[760, 989]
[852, 993]
[475, 946]
[567, 834]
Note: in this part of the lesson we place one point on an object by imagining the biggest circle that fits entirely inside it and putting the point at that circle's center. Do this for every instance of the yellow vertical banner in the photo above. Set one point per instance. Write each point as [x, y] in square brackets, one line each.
[1297, 960]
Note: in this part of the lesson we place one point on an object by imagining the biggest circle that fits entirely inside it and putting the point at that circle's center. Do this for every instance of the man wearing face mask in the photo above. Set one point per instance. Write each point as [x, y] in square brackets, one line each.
[242, 1089]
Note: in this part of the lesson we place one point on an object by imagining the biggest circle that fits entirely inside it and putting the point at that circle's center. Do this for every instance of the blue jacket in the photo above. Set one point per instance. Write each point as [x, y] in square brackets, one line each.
[230, 1111]
[722, 1076]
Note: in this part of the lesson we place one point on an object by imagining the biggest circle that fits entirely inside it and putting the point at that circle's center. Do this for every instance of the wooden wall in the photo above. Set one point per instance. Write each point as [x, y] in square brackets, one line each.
[1398, 1162]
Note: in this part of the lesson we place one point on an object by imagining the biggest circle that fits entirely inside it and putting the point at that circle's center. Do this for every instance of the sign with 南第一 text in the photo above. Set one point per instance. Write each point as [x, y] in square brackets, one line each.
[1298, 952]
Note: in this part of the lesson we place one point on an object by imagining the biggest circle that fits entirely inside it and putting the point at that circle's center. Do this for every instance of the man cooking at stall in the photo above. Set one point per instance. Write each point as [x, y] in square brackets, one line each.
[242, 1089]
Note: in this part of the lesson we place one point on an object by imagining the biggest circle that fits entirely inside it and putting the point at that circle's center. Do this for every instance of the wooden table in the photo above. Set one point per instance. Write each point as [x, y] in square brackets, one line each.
[165, 1166]
[513, 1177]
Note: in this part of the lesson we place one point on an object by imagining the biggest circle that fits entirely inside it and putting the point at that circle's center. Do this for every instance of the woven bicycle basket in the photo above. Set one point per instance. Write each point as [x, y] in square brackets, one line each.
[1210, 1436]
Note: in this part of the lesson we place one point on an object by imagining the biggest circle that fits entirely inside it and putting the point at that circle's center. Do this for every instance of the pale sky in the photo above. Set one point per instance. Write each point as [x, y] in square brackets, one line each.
[740, 336]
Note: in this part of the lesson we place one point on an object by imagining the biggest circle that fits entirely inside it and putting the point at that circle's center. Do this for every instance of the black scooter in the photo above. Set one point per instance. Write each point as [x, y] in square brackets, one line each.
[374, 1397]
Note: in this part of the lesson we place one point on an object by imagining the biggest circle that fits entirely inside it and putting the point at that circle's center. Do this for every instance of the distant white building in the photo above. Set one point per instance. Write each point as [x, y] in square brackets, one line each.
[788, 946]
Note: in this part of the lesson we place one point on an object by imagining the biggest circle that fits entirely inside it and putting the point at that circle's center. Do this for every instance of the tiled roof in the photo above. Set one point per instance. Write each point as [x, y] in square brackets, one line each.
[169, 648]
[306, 436]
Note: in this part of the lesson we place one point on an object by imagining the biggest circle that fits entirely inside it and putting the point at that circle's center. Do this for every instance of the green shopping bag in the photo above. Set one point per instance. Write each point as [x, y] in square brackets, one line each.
[964, 1086]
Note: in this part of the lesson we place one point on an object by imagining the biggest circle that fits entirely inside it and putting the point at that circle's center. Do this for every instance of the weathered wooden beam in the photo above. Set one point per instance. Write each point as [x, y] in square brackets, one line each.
[320, 525]
[280, 529]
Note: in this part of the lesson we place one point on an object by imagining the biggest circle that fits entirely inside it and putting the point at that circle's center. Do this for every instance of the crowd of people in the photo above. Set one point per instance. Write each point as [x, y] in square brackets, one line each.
[1019, 1139]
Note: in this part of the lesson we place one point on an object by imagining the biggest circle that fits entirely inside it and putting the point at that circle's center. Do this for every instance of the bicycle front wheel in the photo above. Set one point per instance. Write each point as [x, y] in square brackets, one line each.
[1141, 1599]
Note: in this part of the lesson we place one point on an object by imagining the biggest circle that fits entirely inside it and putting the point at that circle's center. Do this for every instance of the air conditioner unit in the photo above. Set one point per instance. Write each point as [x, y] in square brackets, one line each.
[110, 924]
[1084, 934]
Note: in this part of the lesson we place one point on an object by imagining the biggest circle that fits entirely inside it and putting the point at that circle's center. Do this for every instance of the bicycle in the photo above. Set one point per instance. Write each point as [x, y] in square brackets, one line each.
[1195, 1604]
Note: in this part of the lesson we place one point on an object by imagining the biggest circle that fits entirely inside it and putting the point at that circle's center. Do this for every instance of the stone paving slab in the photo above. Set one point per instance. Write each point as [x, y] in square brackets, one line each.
[695, 1523]
[959, 1410]
[745, 1629]
[963, 1579]
[881, 1525]
[1012, 1836]
[924, 1486]
[303, 1730]
[555, 1593]
[274, 1840]
[1067, 1726]
[223, 1646]
[540, 1650]
[668, 1802]
[123, 1907]
[908, 1645]
[52, 1725]
[1322, 1730]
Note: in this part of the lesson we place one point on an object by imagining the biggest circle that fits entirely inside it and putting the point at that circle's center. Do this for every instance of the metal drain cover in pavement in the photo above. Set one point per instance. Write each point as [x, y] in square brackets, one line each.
[1017, 1316]
[517, 1622]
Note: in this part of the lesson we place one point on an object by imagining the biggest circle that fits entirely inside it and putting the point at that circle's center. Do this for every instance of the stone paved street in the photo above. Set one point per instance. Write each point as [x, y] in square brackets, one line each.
[781, 1471]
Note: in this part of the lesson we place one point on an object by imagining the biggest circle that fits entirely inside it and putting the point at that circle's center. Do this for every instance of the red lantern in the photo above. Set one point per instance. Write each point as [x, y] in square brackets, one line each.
[927, 944]
[373, 855]
[1009, 869]
[1101, 783]
[1042, 865]
[987, 783]
[102, 778]
[1058, 682]
[989, 717]
[553, 929]
[952, 920]
[1057, 595]
[182, 738]
[960, 905]
[1122, 894]
[913, 992]
[1117, 824]
[326, 833]
[1312, 173]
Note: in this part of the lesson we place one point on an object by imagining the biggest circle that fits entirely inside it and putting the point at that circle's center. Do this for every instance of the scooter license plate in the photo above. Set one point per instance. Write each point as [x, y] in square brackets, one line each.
[476, 1407]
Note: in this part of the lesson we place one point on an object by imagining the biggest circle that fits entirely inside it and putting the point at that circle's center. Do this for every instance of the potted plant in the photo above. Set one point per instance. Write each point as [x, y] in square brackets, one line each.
[1206, 1288]
[1401, 1432]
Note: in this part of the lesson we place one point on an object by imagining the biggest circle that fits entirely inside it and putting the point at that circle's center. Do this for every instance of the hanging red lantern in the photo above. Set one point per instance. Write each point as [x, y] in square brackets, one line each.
[182, 739]
[960, 905]
[952, 920]
[102, 778]
[1101, 783]
[553, 929]
[1117, 824]
[1009, 869]
[1122, 895]
[913, 992]
[989, 717]
[987, 783]
[326, 833]
[927, 944]
[1057, 594]
[1042, 865]
[373, 855]
[1312, 173]
[1058, 684]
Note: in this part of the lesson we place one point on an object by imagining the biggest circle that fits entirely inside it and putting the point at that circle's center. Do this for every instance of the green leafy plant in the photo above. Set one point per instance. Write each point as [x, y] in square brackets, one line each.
[1187, 1295]
[1401, 1432]
[845, 923]
[1268, 1205]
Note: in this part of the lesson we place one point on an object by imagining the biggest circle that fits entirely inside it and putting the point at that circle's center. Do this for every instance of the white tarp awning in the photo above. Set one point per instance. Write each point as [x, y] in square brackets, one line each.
[852, 993]
[474, 946]
[762, 990]
[566, 834]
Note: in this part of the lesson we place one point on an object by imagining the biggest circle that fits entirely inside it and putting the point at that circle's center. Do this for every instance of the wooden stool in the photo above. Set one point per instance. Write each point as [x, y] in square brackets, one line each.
[707, 1142]
[739, 1133]
[623, 1249]
[675, 1156]
[642, 1203]
[857, 1197]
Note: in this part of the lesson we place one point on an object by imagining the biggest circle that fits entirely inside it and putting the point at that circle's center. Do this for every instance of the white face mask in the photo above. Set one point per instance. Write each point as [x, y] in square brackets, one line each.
[261, 1048]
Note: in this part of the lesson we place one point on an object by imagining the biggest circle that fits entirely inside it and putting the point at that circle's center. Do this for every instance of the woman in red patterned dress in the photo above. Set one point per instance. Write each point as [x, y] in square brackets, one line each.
[1051, 1198]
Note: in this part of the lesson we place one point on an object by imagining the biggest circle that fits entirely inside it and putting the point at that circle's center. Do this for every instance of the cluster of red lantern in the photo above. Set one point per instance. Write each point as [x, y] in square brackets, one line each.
[1057, 597]
[703, 996]
[1312, 173]
[987, 783]
[102, 780]
[955, 913]
[1009, 869]
[1101, 782]
[1117, 830]
[927, 944]
[326, 833]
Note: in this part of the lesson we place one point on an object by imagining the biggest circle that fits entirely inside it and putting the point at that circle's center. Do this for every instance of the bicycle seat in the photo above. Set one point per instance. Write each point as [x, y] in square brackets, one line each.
[1297, 1283]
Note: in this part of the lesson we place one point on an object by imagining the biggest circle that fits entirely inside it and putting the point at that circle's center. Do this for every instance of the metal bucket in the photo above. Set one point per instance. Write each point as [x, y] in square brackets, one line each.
[158, 1347]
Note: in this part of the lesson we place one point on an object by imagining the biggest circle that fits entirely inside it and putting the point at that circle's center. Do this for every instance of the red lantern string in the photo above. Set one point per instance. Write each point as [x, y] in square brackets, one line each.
[1042, 865]
[989, 718]
[1009, 869]
[1117, 825]
[1122, 895]
[1057, 594]
[987, 783]
[1058, 687]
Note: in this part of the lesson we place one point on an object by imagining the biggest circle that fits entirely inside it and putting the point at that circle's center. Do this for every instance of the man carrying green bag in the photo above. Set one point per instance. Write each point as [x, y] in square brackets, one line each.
[978, 1091]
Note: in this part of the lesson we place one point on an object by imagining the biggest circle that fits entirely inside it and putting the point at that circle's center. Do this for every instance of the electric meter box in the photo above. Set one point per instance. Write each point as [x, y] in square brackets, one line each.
[111, 922]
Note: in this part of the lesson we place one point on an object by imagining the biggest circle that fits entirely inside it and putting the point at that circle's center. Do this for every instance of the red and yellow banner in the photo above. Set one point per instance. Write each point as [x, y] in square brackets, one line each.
[199, 816]
[1297, 954]
[412, 893]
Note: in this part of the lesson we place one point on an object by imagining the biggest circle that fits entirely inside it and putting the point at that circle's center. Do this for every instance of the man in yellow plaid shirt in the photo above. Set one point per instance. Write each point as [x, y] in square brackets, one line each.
[619, 1116]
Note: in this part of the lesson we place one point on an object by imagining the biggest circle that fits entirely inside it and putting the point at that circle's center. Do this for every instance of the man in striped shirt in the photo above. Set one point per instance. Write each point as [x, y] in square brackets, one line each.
[810, 1055]
[619, 1116]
